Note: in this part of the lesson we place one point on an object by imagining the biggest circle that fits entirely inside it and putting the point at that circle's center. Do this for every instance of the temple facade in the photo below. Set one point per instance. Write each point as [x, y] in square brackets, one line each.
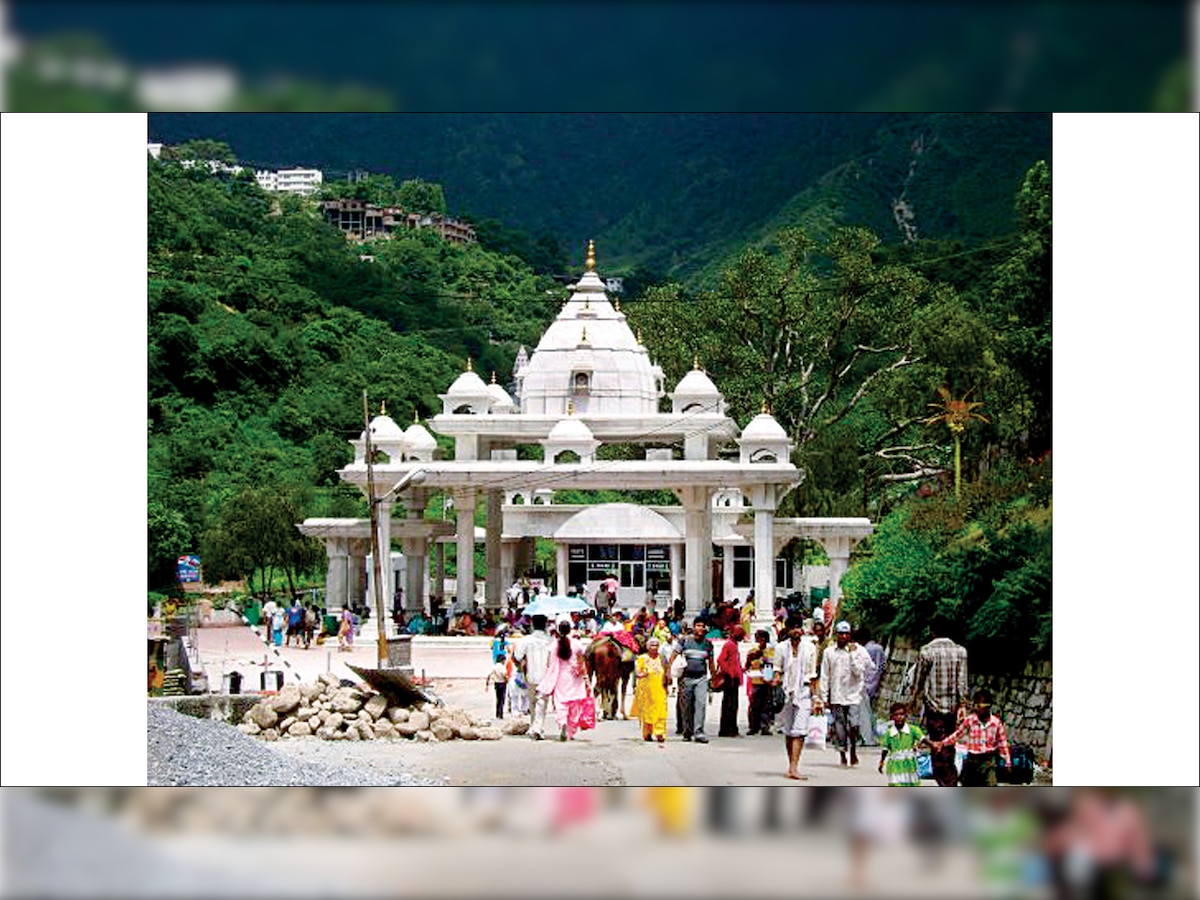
[589, 382]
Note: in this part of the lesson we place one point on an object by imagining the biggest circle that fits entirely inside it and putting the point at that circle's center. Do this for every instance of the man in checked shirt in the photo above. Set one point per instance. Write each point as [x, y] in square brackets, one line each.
[986, 737]
[941, 682]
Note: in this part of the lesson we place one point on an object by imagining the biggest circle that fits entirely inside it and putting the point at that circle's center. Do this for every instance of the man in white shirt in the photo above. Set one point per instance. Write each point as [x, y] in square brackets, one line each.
[532, 654]
[844, 667]
[612, 623]
[796, 659]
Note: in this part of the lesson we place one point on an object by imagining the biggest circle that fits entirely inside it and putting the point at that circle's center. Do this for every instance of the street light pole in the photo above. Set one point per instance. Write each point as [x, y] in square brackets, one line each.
[415, 476]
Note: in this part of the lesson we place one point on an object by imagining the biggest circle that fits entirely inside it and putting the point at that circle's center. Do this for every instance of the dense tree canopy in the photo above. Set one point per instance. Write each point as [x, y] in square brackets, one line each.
[266, 324]
[264, 328]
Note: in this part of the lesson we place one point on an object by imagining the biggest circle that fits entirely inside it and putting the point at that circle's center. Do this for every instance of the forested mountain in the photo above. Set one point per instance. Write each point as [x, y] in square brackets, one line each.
[672, 194]
[912, 375]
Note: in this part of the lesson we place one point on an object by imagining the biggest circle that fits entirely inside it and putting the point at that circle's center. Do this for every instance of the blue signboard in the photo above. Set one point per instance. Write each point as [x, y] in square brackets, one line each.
[188, 568]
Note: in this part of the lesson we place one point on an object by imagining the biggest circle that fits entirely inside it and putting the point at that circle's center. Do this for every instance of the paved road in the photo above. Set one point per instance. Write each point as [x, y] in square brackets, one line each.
[612, 754]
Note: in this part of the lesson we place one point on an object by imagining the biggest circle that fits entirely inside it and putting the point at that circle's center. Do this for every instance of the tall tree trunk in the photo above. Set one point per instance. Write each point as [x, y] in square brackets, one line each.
[957, 469]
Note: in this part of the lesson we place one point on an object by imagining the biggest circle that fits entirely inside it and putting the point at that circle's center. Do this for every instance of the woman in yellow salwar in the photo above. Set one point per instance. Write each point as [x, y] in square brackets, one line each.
[650, 693]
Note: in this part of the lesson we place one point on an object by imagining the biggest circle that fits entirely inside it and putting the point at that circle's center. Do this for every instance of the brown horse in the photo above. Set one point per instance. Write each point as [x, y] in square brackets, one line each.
[605, 662]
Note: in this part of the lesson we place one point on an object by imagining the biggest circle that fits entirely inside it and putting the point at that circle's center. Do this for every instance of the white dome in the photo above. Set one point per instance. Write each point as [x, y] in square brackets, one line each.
[763, 427]
[621, 522]
[383, 428]
[468, 384]
[500, 398]
[418, 438]
[697, 384]
[569, 431]
[605, 372]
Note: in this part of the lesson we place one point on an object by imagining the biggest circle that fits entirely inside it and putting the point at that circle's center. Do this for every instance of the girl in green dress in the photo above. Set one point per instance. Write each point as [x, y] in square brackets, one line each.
[899, 757]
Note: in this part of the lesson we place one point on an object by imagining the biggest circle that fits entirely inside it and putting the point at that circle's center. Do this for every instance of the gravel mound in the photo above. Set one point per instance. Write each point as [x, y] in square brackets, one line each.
[183, 751]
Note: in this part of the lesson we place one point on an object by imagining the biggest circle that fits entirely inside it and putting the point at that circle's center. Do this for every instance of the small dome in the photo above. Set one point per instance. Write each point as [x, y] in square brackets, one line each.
[500, 399]
[763, 427]
[468, 384]
[619, 522]
[383, 428]
[569, 431]
[697, 384]
[418, 438]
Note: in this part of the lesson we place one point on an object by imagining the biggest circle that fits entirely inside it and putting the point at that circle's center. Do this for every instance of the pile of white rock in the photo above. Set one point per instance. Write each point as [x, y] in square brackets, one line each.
[328, 710]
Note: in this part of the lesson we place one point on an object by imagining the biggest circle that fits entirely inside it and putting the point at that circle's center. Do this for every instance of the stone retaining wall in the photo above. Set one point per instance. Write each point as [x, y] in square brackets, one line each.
[224, 707]
[1024, 701]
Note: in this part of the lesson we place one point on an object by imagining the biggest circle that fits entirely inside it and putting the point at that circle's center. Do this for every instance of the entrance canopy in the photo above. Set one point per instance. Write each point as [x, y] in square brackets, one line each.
[614, 523]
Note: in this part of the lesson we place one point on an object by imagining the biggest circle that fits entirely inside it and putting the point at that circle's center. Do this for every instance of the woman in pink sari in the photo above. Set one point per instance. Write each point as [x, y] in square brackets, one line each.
[566, 682]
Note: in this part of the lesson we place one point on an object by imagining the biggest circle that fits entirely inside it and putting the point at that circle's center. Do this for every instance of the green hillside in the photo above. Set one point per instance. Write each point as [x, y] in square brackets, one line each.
[266, 325]
[673, 194]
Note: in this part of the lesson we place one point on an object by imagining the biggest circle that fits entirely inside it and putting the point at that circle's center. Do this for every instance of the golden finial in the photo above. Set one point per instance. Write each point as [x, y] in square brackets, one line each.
[639, 336]
[570, 407]
[617, 304]
[470, 368]
[696, 363]
[383, 407]
[765, 409]
[493, 376]
[416, 420]
[591, 256]
[583, 338]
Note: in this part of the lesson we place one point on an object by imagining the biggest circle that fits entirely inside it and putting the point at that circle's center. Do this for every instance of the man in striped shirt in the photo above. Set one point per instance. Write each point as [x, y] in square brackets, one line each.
[986, 738]
[941, 682]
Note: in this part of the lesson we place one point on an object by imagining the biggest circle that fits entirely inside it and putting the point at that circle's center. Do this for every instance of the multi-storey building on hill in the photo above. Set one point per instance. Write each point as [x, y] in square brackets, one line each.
[365, 221]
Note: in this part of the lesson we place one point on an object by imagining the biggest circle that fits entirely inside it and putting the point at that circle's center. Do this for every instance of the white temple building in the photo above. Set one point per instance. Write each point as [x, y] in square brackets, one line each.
[589, 382]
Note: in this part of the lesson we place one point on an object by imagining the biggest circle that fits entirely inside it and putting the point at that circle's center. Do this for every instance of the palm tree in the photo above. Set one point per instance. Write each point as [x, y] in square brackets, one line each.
[956, 414]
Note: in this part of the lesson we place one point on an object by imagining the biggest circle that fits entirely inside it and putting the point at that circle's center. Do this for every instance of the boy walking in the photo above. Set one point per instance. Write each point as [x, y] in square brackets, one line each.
[987, 740]
[499, 678]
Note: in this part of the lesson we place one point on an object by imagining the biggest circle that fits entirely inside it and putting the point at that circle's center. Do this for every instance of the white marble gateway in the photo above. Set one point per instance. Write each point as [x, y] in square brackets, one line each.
[590, 381]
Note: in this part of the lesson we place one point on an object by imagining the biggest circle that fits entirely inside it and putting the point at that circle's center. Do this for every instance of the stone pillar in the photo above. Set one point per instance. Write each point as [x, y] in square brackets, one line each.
[335, 575]
[763, 499]
[697, 516]
[727, 569]
[494, 586]
[464, 508]
[838, 550]
[388, 590]
[508, 554]
[356, 570]
[414, 571]
[440, 581]
[676, 572]
[560, 569]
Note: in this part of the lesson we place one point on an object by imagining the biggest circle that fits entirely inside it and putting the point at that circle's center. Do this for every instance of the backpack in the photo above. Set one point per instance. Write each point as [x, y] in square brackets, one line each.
[1021, 770]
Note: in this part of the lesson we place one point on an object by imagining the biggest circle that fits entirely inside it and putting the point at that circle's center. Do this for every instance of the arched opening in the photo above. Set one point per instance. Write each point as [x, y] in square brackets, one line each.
[763, 456]
[566, 456]
[538, 501]
[581, 384]
[693, 407]
[518, 500]
[464, 410]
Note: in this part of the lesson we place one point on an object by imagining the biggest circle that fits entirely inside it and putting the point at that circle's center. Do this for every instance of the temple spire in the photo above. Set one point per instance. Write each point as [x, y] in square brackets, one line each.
[383, 407]
[696, 363]
[591, 257]
[470, 368]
